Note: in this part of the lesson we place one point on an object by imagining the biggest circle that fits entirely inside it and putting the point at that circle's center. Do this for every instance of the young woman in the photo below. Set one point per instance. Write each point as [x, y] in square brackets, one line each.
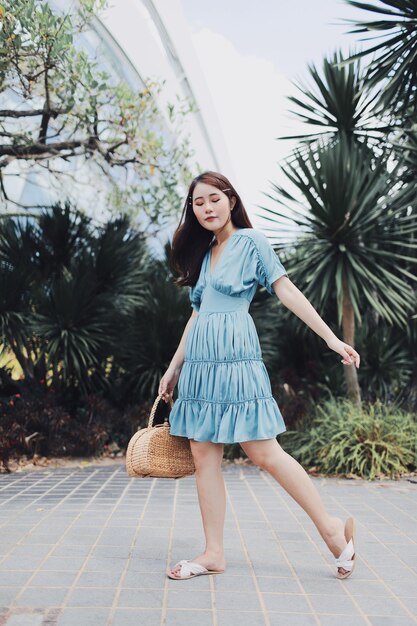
[224, 392]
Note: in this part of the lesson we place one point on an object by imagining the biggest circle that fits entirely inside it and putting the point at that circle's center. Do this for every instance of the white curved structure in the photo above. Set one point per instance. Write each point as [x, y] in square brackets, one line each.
[153, 37]
[140, 40]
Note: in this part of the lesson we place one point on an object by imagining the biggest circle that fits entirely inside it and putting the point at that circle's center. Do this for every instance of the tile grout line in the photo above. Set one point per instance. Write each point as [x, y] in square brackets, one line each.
[387, 545]
[167, 581]
[168, 558]
[46, 516]
[407, 610]
[111, 514]
[46, 492]
[116, 595]
[37, 569]
[379, 495]
[269, 480]
[377, 513]
[40, 480]
[16, 480]
[246, 552]
[294, 573]
[82, 568]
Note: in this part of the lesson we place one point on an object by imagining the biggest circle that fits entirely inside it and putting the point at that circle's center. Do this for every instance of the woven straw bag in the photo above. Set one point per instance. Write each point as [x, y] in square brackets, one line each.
[154, 452]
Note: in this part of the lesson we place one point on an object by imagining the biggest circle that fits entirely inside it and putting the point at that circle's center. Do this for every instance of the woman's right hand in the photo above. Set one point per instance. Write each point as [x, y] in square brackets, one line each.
[168, 382]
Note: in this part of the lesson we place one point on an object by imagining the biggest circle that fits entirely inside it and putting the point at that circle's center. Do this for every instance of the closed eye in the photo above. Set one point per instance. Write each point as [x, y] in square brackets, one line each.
[213, 201]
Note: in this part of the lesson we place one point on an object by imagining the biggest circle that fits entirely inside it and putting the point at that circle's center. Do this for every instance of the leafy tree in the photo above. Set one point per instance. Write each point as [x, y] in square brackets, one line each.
[393, 71]
[355, 235]
[68, 289]
[394, 55]
[144, 350]
[84, 307]
[387, 364]
[338, 101]
[66, 117]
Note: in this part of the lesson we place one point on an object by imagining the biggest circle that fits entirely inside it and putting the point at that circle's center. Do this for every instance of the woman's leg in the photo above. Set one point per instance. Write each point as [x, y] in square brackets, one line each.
[208, 458]
[269, 455]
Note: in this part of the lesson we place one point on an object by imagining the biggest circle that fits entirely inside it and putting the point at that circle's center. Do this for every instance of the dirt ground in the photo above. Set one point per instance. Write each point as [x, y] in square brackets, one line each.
[42, 462]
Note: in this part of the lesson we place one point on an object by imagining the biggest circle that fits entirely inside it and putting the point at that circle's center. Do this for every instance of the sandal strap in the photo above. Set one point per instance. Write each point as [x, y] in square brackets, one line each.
[188, 568]
[345, 560]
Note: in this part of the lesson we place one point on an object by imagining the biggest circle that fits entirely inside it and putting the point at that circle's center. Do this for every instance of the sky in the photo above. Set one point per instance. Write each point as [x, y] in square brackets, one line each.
[250, 53]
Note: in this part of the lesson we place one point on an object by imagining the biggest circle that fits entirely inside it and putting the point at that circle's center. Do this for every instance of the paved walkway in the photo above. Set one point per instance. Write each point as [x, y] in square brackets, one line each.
[90, 547]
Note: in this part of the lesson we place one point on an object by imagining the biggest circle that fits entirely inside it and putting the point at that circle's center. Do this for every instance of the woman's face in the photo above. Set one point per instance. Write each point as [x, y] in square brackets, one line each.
[211, 206]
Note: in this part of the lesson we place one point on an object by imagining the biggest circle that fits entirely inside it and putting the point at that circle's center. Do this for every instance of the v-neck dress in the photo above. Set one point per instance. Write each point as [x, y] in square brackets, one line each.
[224, 391]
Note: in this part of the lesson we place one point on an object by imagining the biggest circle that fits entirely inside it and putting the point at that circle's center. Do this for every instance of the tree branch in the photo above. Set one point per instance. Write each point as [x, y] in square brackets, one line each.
[16, 114]
[22, 206]
[43, 131]
[41, 149]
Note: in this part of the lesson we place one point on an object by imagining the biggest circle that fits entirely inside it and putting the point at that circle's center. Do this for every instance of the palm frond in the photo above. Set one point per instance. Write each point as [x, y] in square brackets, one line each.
[354, 223]
[394, 61]
[340, 100]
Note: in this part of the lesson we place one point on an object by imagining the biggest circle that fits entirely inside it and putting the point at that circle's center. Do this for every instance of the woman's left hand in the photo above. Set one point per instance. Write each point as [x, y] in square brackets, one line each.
[348, 353]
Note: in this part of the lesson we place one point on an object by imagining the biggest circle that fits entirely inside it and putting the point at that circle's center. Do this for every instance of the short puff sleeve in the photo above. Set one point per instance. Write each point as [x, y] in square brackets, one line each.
[269, 266]
[194, 298]
[195, 293]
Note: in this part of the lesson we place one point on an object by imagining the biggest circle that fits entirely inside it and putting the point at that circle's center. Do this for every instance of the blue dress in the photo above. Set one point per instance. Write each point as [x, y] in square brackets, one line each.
[224, 391]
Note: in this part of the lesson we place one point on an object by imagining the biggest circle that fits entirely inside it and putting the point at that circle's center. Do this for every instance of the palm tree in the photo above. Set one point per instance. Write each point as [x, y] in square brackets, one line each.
[394, 62]
[144, 352]
[393, 69]
[355, 233]
[66, 287]
[340, 101]
[386, 371]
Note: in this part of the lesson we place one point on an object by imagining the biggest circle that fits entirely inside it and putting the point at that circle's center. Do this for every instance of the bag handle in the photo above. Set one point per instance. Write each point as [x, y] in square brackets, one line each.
[153, 410]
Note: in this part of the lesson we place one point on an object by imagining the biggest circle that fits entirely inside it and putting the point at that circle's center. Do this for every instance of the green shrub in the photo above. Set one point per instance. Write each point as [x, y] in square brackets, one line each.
[40, 422]
[369, 441]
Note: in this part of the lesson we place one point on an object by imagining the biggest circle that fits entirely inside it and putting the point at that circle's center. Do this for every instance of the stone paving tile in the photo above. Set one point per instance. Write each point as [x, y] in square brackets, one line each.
[137, 598]
[240, 618]
[345, 620]
[25, 620]
[179, 618]
[339, 604]
[189, 599]
[43, 597]
[84, 617]
[90, 547]
[286, 603]
[390, 621]
[14, 578]
[292, 619]
[137, 617]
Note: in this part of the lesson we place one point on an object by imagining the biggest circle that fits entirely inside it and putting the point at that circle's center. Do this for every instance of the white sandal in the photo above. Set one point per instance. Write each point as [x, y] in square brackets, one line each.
[347, 559]
[190, 570]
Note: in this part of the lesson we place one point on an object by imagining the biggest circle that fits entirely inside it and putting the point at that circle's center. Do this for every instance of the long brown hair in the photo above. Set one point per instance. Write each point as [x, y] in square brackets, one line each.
[191, 241]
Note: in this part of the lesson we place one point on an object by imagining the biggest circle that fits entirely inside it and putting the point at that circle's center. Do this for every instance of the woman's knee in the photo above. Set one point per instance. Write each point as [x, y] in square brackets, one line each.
[206, 453]
[263, 453]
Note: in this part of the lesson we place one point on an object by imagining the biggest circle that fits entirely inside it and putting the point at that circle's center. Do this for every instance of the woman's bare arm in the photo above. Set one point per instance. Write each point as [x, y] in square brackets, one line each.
[295, 301]
[171, 376]
[178, 358]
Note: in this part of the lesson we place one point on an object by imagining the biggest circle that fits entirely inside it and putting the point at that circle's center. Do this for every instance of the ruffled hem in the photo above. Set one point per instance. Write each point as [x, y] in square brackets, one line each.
[220, 422]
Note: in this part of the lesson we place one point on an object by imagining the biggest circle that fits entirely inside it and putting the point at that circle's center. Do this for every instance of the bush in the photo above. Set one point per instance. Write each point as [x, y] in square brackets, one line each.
[41, 423]
[370, 441]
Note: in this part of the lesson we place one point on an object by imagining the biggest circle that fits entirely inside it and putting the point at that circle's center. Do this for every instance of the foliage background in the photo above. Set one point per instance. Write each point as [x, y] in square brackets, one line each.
[90, 317]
